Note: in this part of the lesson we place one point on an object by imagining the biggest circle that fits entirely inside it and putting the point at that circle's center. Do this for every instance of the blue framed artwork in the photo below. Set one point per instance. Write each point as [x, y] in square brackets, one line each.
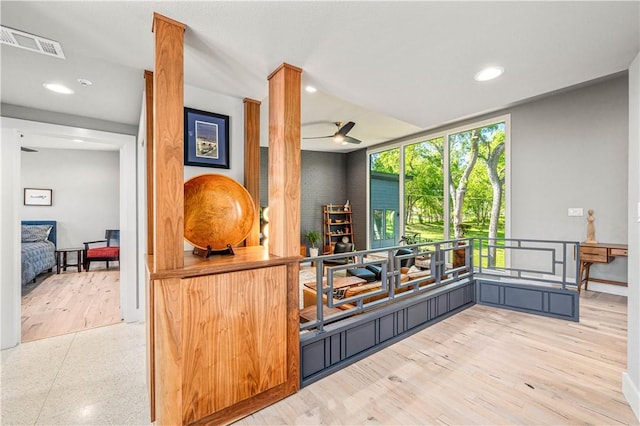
[206, 139]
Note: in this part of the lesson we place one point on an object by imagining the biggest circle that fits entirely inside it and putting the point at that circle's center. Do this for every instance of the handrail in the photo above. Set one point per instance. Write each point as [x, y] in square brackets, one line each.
[449, 262]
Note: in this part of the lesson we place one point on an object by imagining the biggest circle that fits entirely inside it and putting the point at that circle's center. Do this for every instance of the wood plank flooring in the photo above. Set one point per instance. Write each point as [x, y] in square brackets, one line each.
[69, 302]
[481, 366]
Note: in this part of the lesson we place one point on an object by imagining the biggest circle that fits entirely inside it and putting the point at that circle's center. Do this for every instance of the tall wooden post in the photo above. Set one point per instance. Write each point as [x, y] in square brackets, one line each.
[168, 131]
[252, 163]
[148, 99]
[284, 161]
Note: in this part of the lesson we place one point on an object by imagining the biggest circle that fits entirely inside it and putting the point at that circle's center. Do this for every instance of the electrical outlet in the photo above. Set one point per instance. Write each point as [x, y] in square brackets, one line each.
[573, 211]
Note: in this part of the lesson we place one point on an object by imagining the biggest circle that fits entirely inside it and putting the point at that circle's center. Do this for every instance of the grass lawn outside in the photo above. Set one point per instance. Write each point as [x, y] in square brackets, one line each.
[434, 232]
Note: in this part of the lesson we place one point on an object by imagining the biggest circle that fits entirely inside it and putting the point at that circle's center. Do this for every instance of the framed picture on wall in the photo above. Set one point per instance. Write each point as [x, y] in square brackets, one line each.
[206, 139]
[38, 197]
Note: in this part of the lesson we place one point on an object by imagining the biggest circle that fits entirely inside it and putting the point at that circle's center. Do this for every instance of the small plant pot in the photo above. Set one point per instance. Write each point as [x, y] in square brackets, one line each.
[313, 251]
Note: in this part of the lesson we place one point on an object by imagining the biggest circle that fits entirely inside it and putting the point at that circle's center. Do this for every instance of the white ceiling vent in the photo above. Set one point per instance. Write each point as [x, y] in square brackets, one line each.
[31, 42]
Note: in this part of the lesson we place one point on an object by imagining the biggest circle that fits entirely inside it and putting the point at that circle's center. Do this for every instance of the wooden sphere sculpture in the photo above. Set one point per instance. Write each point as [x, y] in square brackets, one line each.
[217, 211]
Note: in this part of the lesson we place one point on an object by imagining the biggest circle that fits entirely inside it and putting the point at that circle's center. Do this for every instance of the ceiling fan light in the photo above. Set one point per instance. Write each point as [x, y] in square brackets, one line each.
[338, 138]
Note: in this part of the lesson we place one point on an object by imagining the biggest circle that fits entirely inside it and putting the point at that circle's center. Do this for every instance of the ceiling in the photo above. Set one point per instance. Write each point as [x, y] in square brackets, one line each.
[394, 68]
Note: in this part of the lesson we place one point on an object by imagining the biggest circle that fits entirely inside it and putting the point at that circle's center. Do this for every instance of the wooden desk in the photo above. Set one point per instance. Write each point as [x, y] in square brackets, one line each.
[598, 253]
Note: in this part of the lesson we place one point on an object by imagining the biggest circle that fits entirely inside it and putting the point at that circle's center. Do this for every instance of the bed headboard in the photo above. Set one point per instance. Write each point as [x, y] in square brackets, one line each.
[53, 236]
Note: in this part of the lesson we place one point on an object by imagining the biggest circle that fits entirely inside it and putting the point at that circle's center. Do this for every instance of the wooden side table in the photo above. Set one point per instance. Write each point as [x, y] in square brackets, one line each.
[63, 261]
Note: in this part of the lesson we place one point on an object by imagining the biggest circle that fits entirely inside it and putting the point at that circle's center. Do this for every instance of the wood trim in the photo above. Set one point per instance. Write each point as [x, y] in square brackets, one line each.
[157, 18]
[168, 351]
[292, 385]
[252, 163]
[244, 258]
[148, 84]
[168, 131]
[281, 67]
[151, 334]
[284, 161]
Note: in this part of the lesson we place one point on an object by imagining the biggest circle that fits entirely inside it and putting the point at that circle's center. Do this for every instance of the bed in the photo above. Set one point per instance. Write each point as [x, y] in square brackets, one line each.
[38, 248]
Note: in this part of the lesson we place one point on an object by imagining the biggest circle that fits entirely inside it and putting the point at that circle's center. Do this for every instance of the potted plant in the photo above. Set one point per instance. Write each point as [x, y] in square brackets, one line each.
[313, 237]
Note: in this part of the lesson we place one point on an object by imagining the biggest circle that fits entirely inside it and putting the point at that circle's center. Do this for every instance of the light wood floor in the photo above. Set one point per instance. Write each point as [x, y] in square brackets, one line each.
[482, 366]
[69, 302]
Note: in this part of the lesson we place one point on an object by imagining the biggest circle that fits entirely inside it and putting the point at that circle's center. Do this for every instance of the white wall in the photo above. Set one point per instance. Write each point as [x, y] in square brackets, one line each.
[631, 378]
[205, 100]
[85, 191]
[9, 239]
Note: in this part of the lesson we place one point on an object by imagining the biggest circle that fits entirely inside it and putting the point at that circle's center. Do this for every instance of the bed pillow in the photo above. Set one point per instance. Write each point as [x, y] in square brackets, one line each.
[35, 233]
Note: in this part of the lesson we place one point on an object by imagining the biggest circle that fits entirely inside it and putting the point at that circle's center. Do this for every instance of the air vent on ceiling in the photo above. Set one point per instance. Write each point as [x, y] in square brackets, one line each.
[31, 42]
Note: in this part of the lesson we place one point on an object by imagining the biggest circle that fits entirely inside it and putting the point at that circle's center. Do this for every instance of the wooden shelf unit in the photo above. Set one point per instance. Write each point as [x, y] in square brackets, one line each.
[337, 223]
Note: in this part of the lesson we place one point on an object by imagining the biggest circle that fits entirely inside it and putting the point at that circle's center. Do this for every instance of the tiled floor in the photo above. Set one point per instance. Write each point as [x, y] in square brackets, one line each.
[95, 377]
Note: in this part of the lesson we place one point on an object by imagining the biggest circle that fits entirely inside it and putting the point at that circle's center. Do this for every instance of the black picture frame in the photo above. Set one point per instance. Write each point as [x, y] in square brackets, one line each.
[206, 139]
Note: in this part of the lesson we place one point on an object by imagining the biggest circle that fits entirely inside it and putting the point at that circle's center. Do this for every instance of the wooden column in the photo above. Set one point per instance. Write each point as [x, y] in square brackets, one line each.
[168, 131]
[148, 98]
[284, 161]
[252, 163]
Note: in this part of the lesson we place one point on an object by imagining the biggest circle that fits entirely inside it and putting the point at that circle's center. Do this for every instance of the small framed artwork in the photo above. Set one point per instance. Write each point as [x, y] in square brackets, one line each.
[38, 197]
[206, 139]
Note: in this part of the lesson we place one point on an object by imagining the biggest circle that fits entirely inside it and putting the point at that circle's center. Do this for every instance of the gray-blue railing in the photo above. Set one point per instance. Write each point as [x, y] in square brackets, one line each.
[440, 272]
[555, 271]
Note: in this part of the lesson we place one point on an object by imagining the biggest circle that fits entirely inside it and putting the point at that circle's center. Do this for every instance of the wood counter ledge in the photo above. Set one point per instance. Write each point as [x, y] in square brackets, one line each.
[244, 258]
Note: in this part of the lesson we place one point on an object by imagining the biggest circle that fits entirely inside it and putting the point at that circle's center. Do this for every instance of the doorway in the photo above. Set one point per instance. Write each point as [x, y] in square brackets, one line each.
[13, 130]
[85, 202]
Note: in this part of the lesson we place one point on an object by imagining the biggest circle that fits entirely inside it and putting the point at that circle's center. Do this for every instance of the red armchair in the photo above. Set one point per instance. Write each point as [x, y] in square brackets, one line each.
[109, 250]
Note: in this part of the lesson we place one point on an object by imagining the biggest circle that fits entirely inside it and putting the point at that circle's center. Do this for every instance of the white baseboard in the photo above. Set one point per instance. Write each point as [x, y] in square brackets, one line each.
[630, 391]
[607, 288]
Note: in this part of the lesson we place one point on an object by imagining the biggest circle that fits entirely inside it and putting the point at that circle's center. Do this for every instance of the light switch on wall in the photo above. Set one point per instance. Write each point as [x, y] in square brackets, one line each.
[576, 211]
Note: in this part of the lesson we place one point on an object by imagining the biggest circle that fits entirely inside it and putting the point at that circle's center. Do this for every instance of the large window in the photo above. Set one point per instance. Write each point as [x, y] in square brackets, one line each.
[423, 189]
[453, 186]
[384, 190]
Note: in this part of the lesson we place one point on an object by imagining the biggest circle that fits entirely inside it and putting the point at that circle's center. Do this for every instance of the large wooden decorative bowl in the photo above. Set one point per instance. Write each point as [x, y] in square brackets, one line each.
[217, 211]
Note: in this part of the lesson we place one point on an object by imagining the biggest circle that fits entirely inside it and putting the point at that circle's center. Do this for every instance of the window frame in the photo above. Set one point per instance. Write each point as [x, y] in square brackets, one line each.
[444, 133]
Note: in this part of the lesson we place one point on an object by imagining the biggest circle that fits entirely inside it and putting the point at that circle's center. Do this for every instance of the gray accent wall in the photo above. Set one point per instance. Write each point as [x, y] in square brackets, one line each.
[357, 164]
[323, 180]
[570, 150]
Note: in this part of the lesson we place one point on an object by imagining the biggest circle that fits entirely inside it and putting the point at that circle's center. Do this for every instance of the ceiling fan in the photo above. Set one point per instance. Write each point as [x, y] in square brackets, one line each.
[341, 135]
[25, 149]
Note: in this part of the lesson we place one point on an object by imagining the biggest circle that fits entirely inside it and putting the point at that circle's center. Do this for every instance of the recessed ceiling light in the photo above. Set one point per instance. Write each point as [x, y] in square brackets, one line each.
[489, 73]
[85, 82]
[58, 88]
[311, 89]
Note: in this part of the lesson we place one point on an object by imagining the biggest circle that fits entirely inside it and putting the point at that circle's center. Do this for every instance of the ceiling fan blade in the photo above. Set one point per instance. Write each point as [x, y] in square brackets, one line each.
[25, 149]
[351, 140]
[346, 128]
[319, 137]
